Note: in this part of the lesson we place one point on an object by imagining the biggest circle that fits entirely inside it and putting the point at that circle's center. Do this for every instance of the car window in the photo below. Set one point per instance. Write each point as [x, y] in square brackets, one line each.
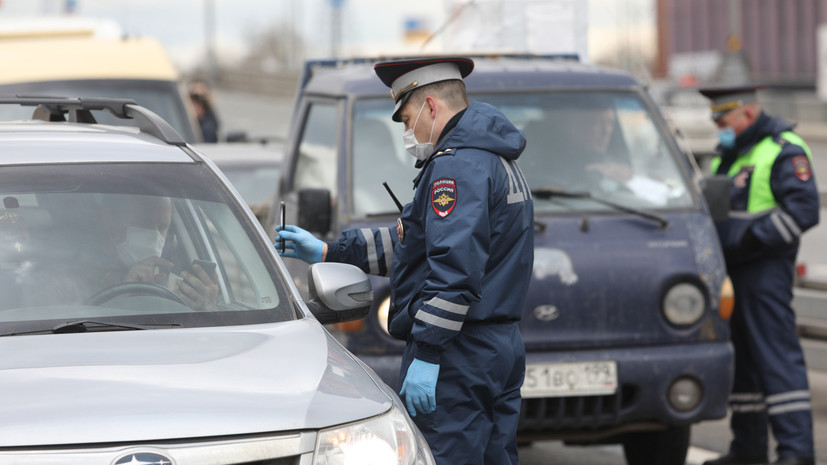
[256, 184]
[118, 241]
[316, 163]
[603, 143]
[162, 97]
[378, 156]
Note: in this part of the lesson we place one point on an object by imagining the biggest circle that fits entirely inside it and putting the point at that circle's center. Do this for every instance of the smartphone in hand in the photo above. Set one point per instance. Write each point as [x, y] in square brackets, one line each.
[205, 265]
[283, 222]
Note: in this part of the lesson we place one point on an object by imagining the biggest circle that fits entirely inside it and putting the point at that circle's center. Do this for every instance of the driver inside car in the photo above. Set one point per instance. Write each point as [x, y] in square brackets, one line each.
[131, 237]
[594, 136]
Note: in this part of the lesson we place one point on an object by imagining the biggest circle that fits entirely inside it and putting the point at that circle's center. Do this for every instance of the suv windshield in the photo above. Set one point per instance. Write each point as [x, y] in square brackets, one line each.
[162, 97]
[605, 144]
[120, 242]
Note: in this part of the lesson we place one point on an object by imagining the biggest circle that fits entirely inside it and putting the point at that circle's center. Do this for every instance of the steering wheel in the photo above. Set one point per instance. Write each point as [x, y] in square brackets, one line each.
[133, 288]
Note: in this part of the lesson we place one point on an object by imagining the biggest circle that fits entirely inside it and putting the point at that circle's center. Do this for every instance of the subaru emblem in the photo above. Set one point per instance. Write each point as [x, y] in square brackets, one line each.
[143, 458]
[546, 312]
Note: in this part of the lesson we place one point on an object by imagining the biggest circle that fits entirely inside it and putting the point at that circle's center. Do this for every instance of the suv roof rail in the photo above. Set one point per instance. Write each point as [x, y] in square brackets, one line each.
[80, 111]
[311, 65]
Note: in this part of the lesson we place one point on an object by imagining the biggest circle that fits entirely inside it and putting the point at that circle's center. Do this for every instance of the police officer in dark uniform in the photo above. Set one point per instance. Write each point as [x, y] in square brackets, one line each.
[773, 200]
[459, 259]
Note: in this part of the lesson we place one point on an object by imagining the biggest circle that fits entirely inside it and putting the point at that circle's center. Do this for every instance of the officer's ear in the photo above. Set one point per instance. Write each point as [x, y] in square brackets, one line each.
[752, 111]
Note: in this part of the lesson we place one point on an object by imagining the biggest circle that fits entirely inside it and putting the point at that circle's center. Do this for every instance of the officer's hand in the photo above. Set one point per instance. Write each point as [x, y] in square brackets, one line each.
[419, 387]
[299, 243]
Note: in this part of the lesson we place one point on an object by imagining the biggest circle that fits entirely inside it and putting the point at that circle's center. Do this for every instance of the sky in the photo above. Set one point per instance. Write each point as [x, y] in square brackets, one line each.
[368, 26]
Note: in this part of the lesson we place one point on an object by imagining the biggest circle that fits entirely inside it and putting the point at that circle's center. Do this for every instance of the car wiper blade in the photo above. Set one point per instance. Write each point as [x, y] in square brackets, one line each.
[551, 192]
[82, 326]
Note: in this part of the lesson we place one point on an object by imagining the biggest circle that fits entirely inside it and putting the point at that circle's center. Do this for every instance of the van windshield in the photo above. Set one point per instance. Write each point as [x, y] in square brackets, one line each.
[605, 144]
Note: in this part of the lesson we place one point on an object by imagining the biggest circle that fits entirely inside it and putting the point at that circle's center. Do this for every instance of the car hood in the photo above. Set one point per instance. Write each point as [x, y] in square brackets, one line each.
[130, 386]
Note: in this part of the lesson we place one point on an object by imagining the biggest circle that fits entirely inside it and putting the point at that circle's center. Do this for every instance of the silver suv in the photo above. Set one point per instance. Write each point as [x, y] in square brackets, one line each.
[146, 318]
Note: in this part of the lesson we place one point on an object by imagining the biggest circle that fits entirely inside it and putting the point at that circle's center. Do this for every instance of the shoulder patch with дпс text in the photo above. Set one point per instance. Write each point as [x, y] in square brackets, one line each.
[444, 196]
[801, 167]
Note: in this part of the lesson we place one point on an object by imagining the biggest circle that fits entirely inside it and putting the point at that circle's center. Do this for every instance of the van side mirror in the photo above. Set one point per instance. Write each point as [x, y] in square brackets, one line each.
[338, 292]
[315, 211]
[716, 193]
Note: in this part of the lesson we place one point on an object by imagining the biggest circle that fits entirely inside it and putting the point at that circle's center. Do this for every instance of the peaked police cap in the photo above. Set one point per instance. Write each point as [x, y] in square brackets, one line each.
[404, 76]
[725, 99]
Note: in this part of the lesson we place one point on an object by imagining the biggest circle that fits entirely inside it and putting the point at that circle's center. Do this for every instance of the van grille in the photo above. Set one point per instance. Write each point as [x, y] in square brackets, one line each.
[558, 413]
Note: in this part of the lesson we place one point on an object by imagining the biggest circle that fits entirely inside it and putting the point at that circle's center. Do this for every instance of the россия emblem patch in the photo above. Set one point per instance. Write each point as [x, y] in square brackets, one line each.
[444, 196]
[801, 167]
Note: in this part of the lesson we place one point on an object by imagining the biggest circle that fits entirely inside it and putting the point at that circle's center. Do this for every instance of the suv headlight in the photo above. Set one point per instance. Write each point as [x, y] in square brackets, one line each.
[383, 313]
[389, 439]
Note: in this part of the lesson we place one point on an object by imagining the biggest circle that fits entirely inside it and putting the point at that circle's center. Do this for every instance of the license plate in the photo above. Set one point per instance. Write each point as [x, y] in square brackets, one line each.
[570, 379]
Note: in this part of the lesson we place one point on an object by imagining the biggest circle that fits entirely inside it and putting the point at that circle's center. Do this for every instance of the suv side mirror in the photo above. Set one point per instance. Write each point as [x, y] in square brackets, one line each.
[315, 211]
[716, 192]
[338, 292]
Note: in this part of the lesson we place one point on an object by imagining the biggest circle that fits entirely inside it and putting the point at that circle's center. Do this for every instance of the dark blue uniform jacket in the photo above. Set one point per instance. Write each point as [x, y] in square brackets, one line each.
[465, 250]
[774, 233]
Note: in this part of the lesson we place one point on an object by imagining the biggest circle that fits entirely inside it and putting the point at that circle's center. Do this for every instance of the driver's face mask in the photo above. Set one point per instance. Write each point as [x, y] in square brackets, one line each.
[420, 151]
[140, 244]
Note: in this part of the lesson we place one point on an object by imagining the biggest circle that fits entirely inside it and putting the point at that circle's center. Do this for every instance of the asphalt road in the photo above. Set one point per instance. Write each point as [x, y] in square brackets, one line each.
[267, 117]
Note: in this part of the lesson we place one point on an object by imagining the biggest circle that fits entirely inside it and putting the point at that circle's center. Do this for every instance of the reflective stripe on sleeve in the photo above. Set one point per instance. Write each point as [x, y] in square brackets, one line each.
[781, 228]
[387, 245]
[438, 321]
[790, 222]
[448, 306]
[370, 244]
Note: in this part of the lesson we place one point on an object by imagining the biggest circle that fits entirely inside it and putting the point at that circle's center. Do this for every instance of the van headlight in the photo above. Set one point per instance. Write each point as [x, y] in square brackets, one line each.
[684, 304]
[389, 439]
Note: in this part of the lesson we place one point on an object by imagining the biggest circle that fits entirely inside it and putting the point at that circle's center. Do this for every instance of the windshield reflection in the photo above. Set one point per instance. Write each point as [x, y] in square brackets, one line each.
[157, 242]
[602, 143]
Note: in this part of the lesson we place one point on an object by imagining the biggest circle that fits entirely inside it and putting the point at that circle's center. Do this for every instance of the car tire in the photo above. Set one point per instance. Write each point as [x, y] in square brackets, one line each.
[666, 447]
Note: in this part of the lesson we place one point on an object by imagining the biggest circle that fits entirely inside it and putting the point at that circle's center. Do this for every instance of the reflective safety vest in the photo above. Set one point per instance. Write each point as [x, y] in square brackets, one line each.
[762, 157]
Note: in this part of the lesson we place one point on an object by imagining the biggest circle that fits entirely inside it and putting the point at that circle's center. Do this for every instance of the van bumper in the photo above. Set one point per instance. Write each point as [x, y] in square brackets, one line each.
[640, 403]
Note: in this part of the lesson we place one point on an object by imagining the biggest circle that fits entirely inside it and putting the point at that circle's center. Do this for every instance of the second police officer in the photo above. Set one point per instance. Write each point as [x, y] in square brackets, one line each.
[459, 259]
[773, 200]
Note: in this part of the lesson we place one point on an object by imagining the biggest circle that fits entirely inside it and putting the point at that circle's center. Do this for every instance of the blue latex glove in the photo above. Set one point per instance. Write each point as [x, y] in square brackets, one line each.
[299, 243]
[419, 387]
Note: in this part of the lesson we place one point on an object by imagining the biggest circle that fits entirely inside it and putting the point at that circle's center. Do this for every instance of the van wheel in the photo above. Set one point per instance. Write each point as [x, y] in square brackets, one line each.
[666, 447]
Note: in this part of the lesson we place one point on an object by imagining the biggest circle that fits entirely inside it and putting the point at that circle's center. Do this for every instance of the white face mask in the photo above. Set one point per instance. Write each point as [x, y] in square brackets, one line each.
[140, 244]
[420, 151]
